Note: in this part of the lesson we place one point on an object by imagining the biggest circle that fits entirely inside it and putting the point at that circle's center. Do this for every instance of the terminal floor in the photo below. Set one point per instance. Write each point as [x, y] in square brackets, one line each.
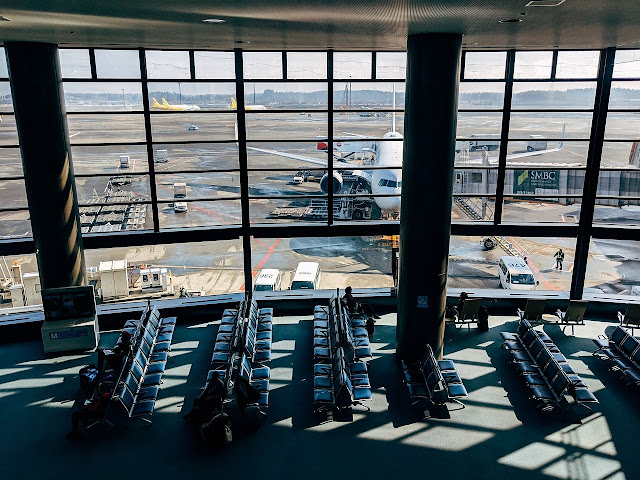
[498, 435]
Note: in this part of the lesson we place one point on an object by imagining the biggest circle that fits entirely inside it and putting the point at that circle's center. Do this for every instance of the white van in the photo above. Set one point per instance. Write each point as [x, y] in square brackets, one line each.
[269, 279]
[307, 276]
[515, 274]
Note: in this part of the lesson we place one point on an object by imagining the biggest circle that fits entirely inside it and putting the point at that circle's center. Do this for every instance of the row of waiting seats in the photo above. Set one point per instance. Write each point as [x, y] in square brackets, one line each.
[623, 351]
[139, 383]
[242, 347]
[545, 370]
[340, 377]
[432, 383]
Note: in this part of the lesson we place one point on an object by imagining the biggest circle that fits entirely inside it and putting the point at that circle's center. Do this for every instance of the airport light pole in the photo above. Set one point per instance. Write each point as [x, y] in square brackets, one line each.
[124, 105]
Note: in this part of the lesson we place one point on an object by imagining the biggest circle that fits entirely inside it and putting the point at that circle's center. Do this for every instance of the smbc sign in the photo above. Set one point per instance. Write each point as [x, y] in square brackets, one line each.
[536, 181]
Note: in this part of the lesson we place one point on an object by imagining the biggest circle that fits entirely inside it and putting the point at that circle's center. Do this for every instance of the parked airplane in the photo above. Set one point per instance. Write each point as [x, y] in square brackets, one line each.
[234, 106]
[167, 106]
[383, 181]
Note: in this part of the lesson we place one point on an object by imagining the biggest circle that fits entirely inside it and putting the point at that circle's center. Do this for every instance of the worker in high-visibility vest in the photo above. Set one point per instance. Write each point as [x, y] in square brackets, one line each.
[559, 256]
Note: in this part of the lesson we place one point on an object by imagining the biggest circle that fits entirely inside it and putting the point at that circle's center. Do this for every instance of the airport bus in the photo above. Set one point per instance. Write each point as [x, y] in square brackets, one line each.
[307, 276]
[269, 279]
[515, 274]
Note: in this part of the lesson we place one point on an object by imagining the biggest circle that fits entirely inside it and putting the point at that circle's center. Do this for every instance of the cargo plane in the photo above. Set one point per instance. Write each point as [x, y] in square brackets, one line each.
[167, 106]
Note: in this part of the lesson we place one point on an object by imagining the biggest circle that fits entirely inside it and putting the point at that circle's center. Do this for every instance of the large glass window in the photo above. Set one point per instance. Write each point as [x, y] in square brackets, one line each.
[474, 266]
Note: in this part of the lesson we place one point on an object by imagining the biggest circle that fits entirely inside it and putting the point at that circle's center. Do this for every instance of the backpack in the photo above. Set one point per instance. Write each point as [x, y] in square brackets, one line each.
[483, 319]
[370, 325]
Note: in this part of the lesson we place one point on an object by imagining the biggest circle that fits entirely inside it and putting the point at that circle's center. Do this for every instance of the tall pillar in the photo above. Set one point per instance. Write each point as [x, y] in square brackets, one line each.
[38, 101]
[433, 66]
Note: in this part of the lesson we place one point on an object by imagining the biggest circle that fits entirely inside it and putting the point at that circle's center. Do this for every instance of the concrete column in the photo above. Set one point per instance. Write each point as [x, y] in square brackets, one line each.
[38, 101]
[433, 66]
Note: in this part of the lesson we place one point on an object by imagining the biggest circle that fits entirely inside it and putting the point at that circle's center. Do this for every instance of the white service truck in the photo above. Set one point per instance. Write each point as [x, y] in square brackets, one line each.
[124, 161]
[162, 156]
[179, 190]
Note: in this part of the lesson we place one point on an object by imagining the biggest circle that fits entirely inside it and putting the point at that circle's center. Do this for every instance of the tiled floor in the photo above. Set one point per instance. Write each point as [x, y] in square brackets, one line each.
[498, 433]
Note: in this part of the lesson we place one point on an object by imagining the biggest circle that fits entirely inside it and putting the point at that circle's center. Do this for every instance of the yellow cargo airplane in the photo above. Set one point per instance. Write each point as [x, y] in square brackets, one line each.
[234, 106]
[167, 106]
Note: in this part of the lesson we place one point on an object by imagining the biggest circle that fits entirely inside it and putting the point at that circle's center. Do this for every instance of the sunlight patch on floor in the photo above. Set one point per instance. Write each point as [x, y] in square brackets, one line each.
[533, 456]
[448, 438]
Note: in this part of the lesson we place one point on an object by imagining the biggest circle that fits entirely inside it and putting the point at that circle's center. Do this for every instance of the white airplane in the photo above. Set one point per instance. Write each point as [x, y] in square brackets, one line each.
[383, 181]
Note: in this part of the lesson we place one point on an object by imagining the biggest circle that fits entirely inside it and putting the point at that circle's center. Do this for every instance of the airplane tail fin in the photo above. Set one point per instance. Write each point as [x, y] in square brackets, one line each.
[234, 104]
[561, 144]
[165, 103]
[155, 103]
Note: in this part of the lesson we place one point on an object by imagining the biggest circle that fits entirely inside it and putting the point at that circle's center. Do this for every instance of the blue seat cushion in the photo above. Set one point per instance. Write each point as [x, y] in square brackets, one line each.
[360, 393]
[324, 396]
[260, 373]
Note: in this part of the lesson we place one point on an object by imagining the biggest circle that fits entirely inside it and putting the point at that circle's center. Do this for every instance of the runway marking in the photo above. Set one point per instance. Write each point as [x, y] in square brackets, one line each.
[262, 263]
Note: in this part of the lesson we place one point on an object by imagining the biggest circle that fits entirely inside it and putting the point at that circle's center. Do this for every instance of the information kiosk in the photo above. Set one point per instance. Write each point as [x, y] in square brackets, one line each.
[70, 320]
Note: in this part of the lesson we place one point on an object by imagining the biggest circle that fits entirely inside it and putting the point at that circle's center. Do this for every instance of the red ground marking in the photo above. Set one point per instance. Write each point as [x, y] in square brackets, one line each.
[260, 265]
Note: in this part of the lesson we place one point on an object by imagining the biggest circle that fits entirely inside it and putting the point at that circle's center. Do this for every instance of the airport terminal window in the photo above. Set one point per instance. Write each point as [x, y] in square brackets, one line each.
[362, 262]
[193, 269]
[473, 263]
[368, 96]
[533, 65]
[481, 96]
[470, 208]
[556, 95]
[74, 62]
[260, 96]
[484, 65]
[102, 96]
[189, 97]
[285, 126]
[194, 144]
[391, 65]
[8, 131]
[612, 268]
[262, 65]
[167, 64]
[627, 64]
[6, 105]
[186, 213]
[348, 65]
[201, 127]
[4, 73]
[577, 64]
[307, 65]
[117, 63]
[214, 65]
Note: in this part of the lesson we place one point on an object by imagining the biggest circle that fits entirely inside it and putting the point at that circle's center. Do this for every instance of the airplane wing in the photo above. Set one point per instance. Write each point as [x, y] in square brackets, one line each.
[302, 158]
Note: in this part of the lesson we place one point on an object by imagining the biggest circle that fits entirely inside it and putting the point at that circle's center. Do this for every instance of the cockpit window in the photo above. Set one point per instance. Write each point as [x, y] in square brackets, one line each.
[384, 182]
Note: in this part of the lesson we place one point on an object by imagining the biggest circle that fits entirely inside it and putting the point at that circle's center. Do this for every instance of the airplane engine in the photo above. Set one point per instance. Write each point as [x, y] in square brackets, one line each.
[337, 183]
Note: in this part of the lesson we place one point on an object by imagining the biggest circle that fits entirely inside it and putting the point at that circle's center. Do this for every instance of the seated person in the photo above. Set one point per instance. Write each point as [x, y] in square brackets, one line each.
[209, 401]
[116, 356]
[94, 409]
[349, 302]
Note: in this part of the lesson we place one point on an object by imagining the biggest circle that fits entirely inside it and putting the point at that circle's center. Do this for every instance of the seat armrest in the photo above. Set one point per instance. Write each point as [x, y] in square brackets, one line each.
[521, 314]
[620, 317]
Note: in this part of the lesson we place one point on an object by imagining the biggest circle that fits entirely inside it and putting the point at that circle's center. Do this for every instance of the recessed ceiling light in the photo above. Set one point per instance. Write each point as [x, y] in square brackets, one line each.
[544, 3]
[212, 20]
[511, 20]
[4, 19]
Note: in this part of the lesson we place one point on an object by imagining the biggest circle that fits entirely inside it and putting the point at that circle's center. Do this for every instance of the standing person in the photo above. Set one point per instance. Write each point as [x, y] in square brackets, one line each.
[559, 256]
